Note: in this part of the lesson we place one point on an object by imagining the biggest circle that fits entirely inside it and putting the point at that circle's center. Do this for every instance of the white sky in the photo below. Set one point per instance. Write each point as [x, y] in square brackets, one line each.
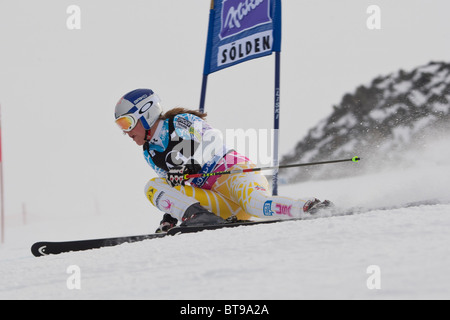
[62, 151]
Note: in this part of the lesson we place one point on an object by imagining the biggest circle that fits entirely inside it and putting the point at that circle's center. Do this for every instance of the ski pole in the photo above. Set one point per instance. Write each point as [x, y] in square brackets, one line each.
[219, 173]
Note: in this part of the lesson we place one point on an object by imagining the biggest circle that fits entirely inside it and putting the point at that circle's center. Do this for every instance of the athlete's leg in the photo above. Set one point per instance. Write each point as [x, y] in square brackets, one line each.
[176, 200]
[251, 192]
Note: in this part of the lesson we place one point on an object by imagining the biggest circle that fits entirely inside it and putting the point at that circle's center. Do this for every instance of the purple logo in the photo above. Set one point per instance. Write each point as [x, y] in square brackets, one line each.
[241, 15]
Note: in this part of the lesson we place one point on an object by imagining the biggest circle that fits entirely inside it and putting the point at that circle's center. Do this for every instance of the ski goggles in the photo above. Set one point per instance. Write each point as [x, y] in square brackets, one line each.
[128, 121]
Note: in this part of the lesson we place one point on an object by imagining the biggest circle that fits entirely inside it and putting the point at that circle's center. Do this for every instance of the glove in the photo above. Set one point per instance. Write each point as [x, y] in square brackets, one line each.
[175, 176]
[167, 223]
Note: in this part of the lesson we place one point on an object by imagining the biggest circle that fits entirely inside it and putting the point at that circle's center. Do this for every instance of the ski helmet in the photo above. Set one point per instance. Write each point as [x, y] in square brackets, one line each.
[139, 104]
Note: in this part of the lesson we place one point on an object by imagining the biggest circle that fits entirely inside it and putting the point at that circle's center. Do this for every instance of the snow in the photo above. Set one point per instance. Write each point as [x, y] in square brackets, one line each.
[319, 129]
[417, 97]
[403, 87]
[440, 107]
[386, 82]
[431, 68]
[308, 155]
[441, 77]
[401, 135]
[381, 114]
[349, 120]
[323, 258]
[438, 89]
[346, 148]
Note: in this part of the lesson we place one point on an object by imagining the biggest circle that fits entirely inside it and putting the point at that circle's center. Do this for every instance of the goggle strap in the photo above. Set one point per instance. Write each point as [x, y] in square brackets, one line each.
[145, 123]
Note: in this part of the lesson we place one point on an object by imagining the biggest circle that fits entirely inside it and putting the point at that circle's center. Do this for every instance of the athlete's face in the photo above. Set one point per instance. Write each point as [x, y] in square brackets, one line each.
[138, 133]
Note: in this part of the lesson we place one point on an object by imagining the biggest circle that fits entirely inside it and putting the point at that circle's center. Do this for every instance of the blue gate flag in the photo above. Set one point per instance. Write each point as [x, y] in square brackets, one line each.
[241, 30]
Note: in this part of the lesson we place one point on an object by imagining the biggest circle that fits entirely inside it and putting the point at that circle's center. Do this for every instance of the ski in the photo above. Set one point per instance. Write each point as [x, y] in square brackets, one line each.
[193, 229]
[44, 248]
[50, 248]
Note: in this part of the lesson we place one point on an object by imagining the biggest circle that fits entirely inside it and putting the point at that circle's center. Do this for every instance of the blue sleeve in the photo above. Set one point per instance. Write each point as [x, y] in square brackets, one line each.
[160, 172]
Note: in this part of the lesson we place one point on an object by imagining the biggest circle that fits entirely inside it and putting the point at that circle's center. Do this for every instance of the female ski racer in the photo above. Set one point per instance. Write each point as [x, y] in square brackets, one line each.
[180, 142]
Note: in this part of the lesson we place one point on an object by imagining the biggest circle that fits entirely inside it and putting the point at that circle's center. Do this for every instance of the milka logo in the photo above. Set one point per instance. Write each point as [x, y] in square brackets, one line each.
[241, 15]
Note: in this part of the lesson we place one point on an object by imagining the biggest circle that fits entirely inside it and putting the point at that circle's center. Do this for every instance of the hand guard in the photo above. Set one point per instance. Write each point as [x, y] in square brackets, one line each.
[175, 176]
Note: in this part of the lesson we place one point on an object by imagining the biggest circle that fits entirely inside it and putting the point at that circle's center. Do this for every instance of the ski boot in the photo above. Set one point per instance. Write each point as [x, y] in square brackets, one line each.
[314, 205]
[167, 223]
[196, 215]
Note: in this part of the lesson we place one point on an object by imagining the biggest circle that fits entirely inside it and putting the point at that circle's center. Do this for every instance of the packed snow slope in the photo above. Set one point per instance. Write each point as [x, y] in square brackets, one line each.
[322, 258]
